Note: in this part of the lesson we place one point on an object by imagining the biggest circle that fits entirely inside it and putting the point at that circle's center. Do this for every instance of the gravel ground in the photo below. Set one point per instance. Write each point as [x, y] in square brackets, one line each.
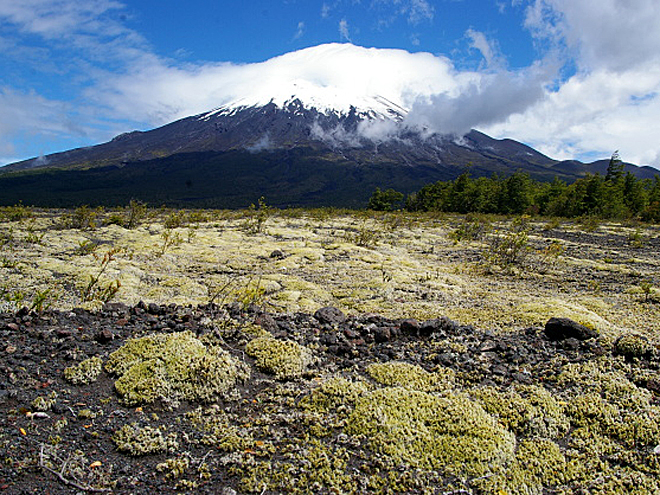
[63, 442]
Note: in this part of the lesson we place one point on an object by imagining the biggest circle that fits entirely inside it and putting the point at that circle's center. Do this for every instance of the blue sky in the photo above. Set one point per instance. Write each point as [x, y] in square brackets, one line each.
[572, 78]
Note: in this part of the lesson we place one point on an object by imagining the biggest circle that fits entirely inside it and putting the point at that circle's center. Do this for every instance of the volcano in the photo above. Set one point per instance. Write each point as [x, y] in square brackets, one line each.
[294, 142]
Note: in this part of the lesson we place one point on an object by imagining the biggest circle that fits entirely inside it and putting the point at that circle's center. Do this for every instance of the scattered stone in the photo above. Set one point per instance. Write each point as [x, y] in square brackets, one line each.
[382, 334]
[10, 349]
[330, 315]
[276, 254]
[653, 385]
[409, 326]
[565, 328]
[116, 307]
[488, 346]
[13, 326]
[267, 322]
[153, 309]
[439, 325]
[104, 336]
[500, 370]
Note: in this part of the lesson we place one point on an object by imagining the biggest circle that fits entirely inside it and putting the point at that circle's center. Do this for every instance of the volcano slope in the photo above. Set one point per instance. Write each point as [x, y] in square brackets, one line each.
[327, 352]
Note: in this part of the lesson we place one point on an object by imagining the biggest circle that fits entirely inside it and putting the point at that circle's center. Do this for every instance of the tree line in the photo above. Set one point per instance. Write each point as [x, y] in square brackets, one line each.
[618, 194]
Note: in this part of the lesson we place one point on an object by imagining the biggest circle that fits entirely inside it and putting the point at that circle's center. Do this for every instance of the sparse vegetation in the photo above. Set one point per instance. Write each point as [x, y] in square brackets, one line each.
[211, 369]
[97, 289]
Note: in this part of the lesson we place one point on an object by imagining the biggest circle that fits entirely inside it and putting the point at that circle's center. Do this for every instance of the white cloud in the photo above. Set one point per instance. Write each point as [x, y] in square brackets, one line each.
[62, 18]
[415, 11]
[614, 34]
[596, 112]
[487, 48]
[482, 100]
[613, 99]
[300, 30]
[344, 32]
[31, 116]
[420, 10]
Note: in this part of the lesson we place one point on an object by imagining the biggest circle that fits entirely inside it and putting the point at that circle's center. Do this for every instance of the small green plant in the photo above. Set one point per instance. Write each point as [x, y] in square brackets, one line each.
[41, 300]
[553, 223]
[86, 247]
[11, 295]
[257, 216]
[364, 236]
[510, 248]
[82, 218]
[589, 222]
[647, 290]
[636, 239]
[7, 237]
[551, 253]
[16, 213]
[96, 290]
[170, 238]
[32, 236]
[115, 219]
[472, 228]
[6, 262]
[136, 212]
[175, 219]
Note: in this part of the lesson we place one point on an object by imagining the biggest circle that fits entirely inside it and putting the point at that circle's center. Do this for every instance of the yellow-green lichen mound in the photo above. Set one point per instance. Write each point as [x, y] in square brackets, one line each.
[335, 393]
[86, 371]
[422, 430]
[171, 368]
[411, 376]
[527, 410]
[538, 465]
[283, 358]
[606, 406]
[633, 346]
[134, 440]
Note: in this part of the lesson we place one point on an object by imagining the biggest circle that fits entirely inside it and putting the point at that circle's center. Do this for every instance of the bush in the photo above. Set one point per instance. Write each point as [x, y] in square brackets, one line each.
[510, 248]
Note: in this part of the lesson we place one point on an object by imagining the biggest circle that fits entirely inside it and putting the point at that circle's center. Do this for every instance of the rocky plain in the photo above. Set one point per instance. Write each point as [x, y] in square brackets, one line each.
[327, 351]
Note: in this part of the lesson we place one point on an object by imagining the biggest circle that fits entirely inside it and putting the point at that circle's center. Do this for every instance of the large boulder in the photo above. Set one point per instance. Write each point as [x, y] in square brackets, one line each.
[565, 328]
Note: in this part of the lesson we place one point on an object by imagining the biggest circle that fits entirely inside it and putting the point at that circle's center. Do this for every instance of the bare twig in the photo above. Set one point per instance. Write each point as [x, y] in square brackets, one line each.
[66, 481]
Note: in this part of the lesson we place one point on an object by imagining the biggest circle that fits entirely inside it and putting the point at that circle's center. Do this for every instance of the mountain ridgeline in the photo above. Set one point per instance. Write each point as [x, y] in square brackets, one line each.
[291, 153]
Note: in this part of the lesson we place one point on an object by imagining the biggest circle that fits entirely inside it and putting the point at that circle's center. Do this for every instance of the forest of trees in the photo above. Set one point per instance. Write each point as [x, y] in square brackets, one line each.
[615, 195]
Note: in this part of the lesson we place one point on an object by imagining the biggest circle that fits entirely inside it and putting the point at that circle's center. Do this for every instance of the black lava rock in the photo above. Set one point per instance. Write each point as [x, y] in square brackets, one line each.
[565, 328]
[330, 315]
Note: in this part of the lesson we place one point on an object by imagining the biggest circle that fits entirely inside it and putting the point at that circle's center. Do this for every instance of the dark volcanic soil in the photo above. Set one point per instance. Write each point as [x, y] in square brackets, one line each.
[63, 444]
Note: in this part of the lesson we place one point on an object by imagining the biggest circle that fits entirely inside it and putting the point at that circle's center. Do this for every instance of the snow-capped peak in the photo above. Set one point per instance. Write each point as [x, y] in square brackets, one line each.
[324, 100]
[324, 78]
